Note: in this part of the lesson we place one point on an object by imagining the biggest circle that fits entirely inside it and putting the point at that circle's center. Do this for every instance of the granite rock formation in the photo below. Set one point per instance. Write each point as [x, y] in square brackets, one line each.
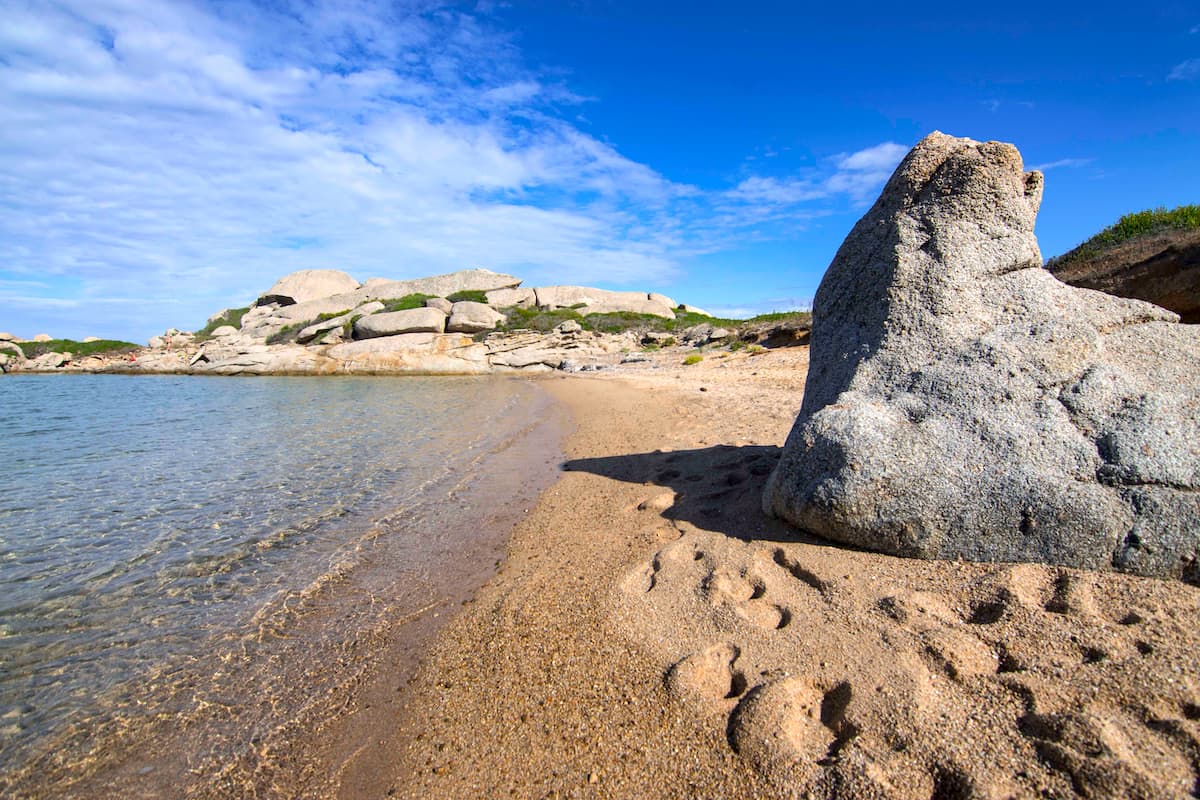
[963, 403]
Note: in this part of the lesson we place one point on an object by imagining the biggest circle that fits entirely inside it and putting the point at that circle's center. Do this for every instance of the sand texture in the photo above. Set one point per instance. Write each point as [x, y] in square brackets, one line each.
[652, 634]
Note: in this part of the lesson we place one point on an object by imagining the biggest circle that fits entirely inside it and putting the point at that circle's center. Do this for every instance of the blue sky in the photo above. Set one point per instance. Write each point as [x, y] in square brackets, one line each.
[163, 160]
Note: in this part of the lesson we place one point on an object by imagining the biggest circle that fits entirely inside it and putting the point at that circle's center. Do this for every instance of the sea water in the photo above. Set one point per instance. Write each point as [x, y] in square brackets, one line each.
[182, 549]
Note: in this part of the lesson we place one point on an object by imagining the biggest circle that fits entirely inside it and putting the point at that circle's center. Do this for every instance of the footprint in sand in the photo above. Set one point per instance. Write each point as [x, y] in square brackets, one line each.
[708, 680]
[788, 728]
[1110, 756]
[746, 595]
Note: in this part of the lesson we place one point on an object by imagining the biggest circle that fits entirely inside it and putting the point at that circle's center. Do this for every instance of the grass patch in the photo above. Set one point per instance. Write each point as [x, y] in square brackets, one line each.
[76, 349]
[1132, 226]
[405, 303]
[231, 316]
[471, 295]
[537, 320]
[695, 358]
[287, 333]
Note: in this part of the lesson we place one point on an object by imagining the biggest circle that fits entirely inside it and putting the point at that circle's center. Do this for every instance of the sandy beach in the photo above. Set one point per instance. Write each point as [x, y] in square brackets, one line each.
[651, 633]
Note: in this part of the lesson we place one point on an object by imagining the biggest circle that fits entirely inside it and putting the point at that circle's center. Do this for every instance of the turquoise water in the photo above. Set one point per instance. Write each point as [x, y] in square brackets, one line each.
[149, 523]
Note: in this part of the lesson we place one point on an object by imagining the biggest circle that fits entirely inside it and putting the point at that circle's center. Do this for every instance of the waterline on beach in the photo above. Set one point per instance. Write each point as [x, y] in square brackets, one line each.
[225, 556]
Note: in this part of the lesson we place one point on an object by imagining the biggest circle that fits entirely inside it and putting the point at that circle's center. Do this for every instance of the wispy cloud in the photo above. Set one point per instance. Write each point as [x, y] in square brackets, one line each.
[857, 175]
[1062, 162]
[1185, 71]
[188, 155]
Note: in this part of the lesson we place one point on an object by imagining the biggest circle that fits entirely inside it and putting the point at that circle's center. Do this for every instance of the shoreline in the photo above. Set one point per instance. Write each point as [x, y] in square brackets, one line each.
[291, 711]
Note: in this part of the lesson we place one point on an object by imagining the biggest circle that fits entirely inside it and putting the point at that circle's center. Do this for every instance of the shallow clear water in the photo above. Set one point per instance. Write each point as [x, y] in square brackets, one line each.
[146, 522]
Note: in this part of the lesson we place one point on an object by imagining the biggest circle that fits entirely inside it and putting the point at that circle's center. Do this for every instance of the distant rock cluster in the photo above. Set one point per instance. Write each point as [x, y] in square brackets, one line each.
[963, 403]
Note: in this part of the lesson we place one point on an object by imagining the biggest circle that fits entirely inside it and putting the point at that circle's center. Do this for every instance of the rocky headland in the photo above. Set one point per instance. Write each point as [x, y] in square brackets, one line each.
[323, 322]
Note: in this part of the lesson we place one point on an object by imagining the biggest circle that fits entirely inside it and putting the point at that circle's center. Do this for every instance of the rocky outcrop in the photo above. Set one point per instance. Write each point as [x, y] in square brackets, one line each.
[600, 301]
[469, 280]
[963, 403]
[1162, 268]
[306, 285]
[413, 320]
[417, 353]
[469, 317]
[510, 298]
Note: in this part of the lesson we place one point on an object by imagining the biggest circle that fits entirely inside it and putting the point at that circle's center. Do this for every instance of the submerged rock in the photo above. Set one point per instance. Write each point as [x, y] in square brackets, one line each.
[963, 403]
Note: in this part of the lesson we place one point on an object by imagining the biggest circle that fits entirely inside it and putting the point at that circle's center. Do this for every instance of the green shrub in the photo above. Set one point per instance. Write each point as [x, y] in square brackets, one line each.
[538, 320]
[472, 295]
[232, 316]
[76, 349]
[405, 303]
[287, 333]
[695, 358]
[348, 326]
[1131, 226]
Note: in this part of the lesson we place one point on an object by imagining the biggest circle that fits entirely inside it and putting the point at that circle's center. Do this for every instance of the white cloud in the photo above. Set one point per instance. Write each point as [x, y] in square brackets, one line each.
[857, 175]
[1062, 162]
[1185, 71]
[162, 160]
[881, 157]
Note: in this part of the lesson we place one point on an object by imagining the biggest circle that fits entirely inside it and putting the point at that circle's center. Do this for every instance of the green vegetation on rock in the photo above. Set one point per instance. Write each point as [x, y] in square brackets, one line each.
[472, 295]
[76, 349]
[232, 316]
[405, 303]
[1132, 226]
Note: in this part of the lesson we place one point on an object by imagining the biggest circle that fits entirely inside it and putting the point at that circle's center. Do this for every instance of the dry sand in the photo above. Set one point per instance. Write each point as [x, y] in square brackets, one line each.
[652, 634]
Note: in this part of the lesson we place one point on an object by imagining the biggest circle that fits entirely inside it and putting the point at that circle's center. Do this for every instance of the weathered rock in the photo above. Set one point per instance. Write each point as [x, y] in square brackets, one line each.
[440, 303]
[48, 361]
[525, 357]
[278, 360]
[87, 339]
[224, 331]
[963, 403]
[43, 337]
[635, 306]
[1161, 268]
[509, 298]
[470, 317]
[469, 280]
[662, 300]
[156, 343]
[7, 337]
[599, 301]
[413, 320]
[694, 310]
[569, 327]
[420, 353]
[324, 326]
[306, 285]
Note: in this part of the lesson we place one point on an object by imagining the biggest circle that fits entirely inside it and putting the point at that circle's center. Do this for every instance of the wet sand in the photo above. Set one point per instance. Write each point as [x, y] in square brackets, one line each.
[652, 634]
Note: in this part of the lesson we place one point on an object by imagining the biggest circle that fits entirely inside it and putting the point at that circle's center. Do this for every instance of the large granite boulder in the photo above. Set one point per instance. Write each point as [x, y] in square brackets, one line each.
[391, 323]
[1161, 268]
[963, 403]
[508, 298]
[308, 284]
[470, 317]
[467, 280]
[602, 301]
